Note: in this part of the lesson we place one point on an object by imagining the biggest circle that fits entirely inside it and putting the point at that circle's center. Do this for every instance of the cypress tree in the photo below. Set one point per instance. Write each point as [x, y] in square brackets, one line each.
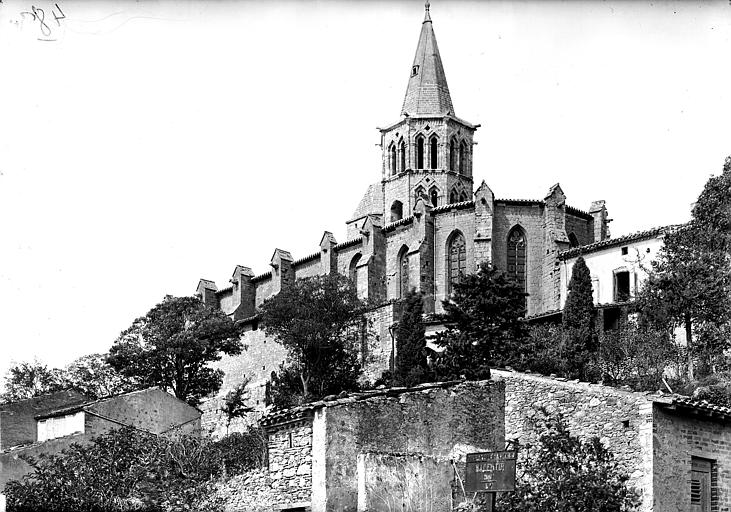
[579, 336]
[411, 364]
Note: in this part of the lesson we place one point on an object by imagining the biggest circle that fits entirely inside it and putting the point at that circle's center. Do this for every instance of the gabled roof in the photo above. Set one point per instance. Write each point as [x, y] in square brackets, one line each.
[427, 92]
[613, 242]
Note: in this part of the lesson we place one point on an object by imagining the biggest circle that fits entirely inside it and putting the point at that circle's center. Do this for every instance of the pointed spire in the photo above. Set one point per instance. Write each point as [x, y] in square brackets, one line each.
[427, 92]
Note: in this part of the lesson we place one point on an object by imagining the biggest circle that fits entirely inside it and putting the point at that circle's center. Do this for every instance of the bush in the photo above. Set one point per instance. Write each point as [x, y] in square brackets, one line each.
[127, 469]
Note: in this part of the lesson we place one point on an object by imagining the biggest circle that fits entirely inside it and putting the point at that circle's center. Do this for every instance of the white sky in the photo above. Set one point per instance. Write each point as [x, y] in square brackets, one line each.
[154, 143]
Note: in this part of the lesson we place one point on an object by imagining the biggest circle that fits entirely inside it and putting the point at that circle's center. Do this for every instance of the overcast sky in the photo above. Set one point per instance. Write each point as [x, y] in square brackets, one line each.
[144, 145]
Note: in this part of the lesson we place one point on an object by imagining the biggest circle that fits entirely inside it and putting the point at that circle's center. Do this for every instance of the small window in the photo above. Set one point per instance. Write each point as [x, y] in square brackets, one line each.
[289, 440]
[419, 152]
[625, 251]
[414, 70]
[397, 211]
[434, 196]
[573, 240]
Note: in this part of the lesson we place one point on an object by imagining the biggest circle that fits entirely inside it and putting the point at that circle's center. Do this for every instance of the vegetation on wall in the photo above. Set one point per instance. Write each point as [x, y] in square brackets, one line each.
[172, 345]
[319, 321]
[485, 323]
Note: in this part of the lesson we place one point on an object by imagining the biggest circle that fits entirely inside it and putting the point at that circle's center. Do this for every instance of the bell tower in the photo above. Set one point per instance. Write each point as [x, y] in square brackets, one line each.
[428, 153]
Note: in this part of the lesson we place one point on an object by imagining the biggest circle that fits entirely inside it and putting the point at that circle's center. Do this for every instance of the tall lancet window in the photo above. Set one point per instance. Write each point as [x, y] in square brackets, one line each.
[403, 272]
[433, 153]
[392, 158]
[353, 271]
[517, 256]
[402, 153]
[420, 152]
[456, 260]
[452, 155]
[462, 163]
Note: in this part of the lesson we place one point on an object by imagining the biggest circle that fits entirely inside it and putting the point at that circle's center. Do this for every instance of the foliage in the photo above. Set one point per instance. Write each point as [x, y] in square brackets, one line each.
[28, 380]
[563, 472]
[318, 320]
[172, 345]
[484, 315]
[411, 357]
[637, 356]
[128, 469]
[542, 350]
[579, 340]
[689, 285]
[89, 374]
[235, 404]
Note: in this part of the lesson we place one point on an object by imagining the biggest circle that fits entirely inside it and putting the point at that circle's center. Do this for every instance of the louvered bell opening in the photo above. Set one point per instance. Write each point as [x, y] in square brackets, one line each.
[695, 492]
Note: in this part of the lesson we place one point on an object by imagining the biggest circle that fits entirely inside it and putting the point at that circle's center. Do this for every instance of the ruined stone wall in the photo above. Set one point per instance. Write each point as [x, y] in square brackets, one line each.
[622, 420]
[388, 482]
[438, 422]
[678, 438]
[376, 358]
[290, 461]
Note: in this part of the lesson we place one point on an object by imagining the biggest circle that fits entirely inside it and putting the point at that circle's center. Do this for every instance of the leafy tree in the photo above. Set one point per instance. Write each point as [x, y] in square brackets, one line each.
[689, 285]
[235, 404]
[172, 345]
[317, 320]
[579, 340]
[485, 322]
[95, 377]
[28, 380]
[563, 472]
[411, 358]
[542, 350]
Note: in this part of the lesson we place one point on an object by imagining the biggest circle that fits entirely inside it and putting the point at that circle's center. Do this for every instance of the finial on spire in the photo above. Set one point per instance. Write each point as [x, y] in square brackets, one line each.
[426, 11]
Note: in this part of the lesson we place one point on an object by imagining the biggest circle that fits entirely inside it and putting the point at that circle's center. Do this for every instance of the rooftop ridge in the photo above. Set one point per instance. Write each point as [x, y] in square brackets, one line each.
[610, 242]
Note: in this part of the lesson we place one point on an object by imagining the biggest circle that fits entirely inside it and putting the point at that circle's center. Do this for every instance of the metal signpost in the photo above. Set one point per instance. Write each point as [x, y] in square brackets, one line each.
[491, 472]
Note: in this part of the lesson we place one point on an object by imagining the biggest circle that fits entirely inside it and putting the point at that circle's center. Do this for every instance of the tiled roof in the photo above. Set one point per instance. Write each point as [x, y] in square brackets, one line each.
[262, 277]
[279, 416]
[699, 407]
[401, 222]
[313, 256]
[349, 243]
[453, 206]
[612, 242]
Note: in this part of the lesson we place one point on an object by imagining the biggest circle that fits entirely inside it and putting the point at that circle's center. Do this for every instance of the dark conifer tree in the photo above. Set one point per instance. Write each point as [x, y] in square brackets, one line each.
[579, 336]
[411, 358]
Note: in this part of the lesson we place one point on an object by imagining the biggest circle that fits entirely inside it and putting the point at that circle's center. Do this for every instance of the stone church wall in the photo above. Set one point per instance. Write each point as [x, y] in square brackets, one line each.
[445, 224]
[263, 291]
[582, 228]
[621, 419]
[308, 269]
[530, 218]
[395, 240]
[345, 257]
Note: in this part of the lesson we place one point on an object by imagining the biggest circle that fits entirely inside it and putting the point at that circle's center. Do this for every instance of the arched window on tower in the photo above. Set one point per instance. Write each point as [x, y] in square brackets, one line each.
[420, 152]
[403, 272]
[397, 211]
[418, 193]
[516, 257]
[456, 259]
[462, 154]
[353, 271]
[453, 196]
[433, 153]
[452, 155]
[402, 153]
[462, 196]
[392, 158]
[573, 241]
[434, 197]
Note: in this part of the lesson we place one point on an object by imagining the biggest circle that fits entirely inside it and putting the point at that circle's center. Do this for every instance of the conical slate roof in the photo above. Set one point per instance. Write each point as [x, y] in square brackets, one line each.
[427, 93]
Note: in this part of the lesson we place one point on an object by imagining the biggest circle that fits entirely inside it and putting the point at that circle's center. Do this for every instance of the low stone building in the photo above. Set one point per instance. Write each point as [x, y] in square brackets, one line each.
[397, 444]
[76, 419]
[676, 451]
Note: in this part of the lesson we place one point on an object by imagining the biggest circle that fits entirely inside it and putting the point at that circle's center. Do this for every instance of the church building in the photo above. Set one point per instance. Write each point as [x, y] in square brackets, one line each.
[420, 226]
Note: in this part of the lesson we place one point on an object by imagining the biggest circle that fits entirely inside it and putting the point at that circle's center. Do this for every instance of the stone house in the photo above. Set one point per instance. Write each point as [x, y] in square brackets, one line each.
[388, 446]
[77, 419]
[676, 451]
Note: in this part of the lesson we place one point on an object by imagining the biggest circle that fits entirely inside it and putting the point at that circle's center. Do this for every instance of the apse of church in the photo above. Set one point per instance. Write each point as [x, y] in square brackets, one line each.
[424, 225]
